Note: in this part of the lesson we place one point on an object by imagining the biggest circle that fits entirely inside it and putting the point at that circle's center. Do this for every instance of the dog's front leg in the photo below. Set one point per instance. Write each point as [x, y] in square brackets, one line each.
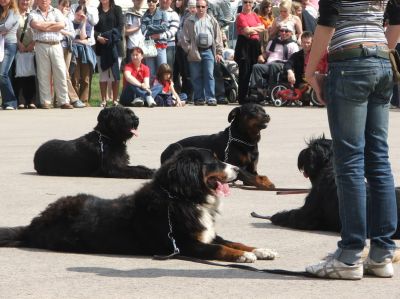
[259, 181]
[218, 252]
[261, 253]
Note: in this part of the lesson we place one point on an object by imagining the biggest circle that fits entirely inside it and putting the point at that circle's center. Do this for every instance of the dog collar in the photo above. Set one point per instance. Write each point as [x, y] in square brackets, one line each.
[230, 139]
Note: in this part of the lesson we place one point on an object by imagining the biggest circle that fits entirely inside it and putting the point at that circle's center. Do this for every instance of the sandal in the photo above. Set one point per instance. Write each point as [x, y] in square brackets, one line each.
[103, 104]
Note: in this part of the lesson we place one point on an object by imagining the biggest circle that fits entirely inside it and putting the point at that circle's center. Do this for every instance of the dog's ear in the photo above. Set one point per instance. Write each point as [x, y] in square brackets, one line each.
[103, 115]
[233, 114]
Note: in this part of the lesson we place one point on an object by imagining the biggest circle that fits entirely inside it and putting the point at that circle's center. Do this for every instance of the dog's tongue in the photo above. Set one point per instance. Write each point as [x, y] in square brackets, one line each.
[223, 189]
[134, 132]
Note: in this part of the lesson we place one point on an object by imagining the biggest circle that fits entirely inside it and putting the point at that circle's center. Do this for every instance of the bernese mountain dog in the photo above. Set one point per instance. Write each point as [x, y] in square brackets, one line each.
[237, 144]
[177, 209]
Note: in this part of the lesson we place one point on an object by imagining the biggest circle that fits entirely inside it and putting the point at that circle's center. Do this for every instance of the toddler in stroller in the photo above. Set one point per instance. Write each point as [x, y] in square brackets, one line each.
[230, 73]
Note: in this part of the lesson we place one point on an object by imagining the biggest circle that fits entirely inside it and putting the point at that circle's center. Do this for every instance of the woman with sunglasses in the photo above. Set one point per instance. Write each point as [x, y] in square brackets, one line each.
[248, 47]
[154, 23]
[357, 92]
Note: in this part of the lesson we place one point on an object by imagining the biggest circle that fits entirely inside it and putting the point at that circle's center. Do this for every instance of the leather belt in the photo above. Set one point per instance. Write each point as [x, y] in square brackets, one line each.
[48, 42]
[381, 51]
[204, 49]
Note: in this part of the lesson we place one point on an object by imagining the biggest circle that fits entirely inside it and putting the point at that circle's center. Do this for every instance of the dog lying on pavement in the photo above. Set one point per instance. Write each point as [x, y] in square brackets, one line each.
[100, 153]
[237, 144]
[178, 206]
[321, 208]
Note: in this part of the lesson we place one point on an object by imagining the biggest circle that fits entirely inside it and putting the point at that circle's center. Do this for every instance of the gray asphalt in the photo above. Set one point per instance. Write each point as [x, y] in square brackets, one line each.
[42, 274]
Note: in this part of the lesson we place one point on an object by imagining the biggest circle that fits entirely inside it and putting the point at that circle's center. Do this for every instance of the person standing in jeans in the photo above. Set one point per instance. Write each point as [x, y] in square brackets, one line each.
[357, 92]
[8, 29]
[202, 41]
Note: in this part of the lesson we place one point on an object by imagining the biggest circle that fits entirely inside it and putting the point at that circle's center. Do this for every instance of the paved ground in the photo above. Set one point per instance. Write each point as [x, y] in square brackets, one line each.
[41, 274]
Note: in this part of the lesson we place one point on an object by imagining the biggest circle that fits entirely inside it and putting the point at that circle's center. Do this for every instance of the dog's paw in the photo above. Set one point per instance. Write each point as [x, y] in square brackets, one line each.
[265, 254]
[247, 257]
[264, 182]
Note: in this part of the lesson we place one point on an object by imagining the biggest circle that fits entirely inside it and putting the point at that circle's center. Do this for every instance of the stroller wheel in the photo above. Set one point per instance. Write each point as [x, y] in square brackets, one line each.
[277, 100]
[314, 99]
[232, 96]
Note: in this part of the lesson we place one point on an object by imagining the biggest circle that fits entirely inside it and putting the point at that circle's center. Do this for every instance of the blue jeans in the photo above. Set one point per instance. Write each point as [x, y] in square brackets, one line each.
[7, 92]
[202, 76]
[358, 92]
[130, 92]
[154, 62]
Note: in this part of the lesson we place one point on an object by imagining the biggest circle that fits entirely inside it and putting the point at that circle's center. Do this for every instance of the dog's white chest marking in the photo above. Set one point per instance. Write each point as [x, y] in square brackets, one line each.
[207, 215]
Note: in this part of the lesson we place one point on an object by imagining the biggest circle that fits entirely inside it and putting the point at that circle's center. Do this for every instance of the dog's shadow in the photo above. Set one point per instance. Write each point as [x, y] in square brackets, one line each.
[188, 273]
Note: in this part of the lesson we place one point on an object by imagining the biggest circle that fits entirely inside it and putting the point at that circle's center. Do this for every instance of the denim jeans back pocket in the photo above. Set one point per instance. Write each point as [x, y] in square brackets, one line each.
[351, 84]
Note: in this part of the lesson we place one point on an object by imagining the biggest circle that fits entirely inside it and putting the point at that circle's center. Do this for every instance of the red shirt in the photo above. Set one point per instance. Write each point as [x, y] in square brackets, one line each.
[248, 20]
[142, 72]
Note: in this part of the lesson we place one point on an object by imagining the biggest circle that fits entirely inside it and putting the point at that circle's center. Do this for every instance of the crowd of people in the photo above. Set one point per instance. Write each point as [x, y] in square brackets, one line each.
[51, 53]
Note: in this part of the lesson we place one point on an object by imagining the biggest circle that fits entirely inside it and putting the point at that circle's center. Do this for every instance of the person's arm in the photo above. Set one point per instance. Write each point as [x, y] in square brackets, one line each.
[129, 29]
[11, 20]
[175, 95]
[92, 15]
[172, 27]
[288, 67]
[131, 79]
[47, 26]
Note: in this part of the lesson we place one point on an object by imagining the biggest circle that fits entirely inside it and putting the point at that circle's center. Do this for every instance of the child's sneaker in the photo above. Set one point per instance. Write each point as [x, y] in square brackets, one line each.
[332, 268]
[383, 269]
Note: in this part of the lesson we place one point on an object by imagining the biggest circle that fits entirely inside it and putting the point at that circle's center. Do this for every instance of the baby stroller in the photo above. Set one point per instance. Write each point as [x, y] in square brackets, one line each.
[230, 72]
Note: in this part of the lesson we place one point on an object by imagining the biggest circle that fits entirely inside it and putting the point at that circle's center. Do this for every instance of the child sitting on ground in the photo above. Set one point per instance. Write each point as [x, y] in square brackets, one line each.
[163, 89]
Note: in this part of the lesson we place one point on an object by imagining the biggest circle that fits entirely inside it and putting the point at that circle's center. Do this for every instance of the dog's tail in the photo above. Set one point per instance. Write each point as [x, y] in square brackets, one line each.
[11, 236]
[170, 151]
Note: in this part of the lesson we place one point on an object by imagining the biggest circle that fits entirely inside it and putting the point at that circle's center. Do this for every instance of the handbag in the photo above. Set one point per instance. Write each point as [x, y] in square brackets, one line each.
[395, 62]
[149, 48]
[25, 64]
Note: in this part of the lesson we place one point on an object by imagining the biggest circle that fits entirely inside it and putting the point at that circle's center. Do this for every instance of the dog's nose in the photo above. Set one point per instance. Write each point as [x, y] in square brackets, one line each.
[235, 169]
[267, 118]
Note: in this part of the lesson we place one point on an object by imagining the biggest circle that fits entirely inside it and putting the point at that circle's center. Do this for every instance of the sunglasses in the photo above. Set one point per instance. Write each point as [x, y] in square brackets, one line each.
[152, 1]
[201, 6]
[285, 30]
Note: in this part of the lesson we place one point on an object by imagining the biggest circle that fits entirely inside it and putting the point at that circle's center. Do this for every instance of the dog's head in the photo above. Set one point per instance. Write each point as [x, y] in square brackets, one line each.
[248, 120]
[316, 156]
[194, 173]
[117, 123]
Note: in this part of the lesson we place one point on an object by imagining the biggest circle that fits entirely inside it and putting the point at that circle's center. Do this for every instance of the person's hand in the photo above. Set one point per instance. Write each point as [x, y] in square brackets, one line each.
[316, 80]
[21, 47]
[102, 40]
[218, 58]
[155, 36]
[291, 77]
[179, 103]
[261, 59]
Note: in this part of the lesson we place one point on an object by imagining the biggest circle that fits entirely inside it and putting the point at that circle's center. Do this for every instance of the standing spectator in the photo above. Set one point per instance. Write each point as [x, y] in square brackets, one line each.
[108, 40]
[248, 47]
[92, 15]
[8, 29]
[134, 35]
[169, 35]
[154, 23]
[286, 18]
[66, 42]
[47, 22]
[136, 82]
[267, 18]
[26, 44]
[202, 41]
[84, 58]
[358, 90]
[181, 72]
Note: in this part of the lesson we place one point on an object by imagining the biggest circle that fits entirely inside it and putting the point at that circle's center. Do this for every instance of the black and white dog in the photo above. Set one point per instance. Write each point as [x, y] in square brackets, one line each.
[181, 202]
[101, 152]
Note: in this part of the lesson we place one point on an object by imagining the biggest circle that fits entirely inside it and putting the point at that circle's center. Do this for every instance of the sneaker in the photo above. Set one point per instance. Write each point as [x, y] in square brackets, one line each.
[45, 106]
[383, 269]
[150, 102]
[9, 108]
[222, 101]
[78, 104]
[66, 106]
[212, 102]
[199, 102]
[138, 102]
[32, 106]
[332, 268]
[21, 106]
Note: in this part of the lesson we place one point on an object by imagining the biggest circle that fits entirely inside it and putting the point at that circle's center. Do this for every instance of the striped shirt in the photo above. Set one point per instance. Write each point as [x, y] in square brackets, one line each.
[355, 22]
[173, 26]
[53, 15]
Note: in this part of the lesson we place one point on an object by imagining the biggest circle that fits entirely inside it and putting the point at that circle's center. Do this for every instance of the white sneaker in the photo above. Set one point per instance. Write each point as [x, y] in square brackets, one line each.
[150, 101]
[332, 268]
[383, 269]
[137, 102]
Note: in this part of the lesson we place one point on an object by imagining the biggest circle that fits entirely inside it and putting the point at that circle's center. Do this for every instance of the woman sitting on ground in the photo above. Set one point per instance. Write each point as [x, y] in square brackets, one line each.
[136, 82]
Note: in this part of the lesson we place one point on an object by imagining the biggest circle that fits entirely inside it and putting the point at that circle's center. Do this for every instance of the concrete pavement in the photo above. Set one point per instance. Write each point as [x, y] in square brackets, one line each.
[42, 274]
